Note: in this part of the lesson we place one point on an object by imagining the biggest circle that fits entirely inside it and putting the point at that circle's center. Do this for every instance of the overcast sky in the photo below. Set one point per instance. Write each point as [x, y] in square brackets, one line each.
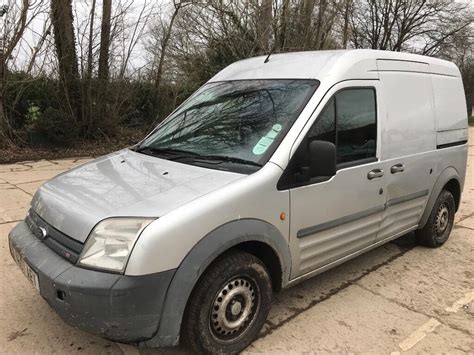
[82, 10]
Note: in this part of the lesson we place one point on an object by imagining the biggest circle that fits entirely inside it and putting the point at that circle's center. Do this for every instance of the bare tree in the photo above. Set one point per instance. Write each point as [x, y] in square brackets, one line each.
[62, 20]
[87, 103]
[265, 20]
[346, 8]
[20, 27]
[90, 53]
[103, 73]
[281, 34]
[307, 24]
[137, 30]
[164, 42]
[4, 126]
[105, 41]
[36, 50]
[404, 24]
[7, 46]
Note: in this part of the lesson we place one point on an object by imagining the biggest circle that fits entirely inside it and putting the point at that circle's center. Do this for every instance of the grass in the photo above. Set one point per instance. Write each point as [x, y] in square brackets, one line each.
[471, 121]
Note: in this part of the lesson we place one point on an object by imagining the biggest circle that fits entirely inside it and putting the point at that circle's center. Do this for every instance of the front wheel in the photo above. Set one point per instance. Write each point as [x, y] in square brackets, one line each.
[229, 305]
[440, 223]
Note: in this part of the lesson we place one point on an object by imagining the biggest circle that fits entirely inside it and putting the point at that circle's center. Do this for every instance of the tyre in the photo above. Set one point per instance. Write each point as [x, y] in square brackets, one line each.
[440, 223]
[228, 306]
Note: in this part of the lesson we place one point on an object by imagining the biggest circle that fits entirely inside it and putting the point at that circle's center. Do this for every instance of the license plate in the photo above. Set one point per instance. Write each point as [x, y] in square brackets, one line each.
[25, 268]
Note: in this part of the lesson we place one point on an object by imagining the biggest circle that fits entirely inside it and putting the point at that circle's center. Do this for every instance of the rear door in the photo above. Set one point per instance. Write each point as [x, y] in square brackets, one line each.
[409, 144]
[335, 218]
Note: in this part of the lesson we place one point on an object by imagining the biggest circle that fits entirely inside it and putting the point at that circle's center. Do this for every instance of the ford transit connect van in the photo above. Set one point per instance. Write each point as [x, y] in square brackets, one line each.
[275, 170]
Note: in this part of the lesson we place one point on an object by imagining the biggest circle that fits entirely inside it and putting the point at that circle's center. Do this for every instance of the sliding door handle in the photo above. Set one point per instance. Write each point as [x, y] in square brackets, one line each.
[374, 174]
[397, 168]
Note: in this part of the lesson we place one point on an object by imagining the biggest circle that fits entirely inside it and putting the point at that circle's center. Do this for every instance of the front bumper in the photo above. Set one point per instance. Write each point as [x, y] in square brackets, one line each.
[118, 307]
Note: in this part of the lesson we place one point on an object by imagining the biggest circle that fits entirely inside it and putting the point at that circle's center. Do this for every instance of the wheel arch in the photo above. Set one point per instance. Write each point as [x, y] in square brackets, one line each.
[454, 187]
[257, 237]
[269, 256]
[450, 180]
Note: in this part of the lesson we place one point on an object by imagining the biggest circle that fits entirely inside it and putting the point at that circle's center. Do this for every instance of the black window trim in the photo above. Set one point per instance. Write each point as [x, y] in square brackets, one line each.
[283, 183]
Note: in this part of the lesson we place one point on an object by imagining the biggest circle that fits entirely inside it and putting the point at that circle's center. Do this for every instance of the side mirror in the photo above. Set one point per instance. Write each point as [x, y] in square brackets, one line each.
[322, 159]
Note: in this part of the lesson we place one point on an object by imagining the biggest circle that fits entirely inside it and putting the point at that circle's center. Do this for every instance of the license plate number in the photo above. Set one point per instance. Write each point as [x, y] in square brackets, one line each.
[25, 268]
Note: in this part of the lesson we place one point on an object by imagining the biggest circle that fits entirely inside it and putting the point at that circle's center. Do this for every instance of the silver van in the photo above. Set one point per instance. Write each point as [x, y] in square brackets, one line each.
[275, 170]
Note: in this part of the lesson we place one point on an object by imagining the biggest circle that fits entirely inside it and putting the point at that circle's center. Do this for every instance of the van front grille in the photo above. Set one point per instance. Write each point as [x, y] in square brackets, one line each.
[59, 242]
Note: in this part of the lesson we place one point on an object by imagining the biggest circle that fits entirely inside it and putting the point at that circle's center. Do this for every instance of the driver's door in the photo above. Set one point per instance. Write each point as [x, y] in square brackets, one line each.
[338, 217]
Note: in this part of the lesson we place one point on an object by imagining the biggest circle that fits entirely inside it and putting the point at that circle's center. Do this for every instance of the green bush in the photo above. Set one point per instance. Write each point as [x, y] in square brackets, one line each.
[36, 106]
[24, 93]
[55, 125]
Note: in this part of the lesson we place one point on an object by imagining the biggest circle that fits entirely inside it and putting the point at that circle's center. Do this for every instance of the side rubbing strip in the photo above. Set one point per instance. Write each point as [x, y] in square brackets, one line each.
[353, 217]
[336, 222]
[406, 198]
[449, 145]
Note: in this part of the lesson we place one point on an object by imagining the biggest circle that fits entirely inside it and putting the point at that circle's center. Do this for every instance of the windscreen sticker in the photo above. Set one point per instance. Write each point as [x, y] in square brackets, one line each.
[276, 127]
[264, 142]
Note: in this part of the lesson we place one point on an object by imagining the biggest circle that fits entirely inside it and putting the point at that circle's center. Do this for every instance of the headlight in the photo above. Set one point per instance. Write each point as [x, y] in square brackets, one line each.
[110, 243]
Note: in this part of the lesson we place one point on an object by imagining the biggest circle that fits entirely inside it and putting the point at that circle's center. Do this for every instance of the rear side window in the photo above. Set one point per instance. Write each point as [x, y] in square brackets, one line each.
[349, 121]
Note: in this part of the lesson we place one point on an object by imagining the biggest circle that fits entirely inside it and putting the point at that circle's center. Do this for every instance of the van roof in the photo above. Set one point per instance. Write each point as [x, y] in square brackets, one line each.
[335, 64]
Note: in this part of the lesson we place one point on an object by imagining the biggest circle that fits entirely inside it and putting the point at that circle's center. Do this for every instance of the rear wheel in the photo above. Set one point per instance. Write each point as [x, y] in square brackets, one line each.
[229, 305]
[440, 223]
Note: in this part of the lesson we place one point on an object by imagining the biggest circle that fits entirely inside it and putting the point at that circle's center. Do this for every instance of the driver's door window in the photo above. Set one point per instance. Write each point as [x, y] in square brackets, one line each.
[349, 121]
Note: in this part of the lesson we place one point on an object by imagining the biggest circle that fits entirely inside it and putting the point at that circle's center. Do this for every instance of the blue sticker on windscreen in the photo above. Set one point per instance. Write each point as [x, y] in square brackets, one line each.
[264, 142]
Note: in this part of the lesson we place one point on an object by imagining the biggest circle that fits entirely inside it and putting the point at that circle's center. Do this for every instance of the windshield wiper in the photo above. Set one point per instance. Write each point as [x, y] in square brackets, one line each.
[227, 159]
[165, 151]
[184, 154]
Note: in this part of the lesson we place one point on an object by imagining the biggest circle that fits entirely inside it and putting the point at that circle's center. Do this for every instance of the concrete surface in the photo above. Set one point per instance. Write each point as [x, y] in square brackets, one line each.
[396, 299]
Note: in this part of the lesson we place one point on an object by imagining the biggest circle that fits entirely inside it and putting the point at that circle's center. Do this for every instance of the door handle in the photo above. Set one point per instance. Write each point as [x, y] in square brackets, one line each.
[397, 168]
[374, 174]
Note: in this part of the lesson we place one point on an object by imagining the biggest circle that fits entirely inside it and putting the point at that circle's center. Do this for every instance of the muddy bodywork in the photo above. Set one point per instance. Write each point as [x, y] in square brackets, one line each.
[118, 307]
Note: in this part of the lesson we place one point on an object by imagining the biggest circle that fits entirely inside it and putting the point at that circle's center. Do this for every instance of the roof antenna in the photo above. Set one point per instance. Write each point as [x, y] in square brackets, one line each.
[267, 59]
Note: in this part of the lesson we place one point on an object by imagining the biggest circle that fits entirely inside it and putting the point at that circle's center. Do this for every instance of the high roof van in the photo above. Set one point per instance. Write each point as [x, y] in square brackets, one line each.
[277, 169]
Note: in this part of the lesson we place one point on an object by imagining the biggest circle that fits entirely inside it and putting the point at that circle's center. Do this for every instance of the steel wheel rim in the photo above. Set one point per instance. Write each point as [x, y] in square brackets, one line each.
[441, 219]
[233, 309]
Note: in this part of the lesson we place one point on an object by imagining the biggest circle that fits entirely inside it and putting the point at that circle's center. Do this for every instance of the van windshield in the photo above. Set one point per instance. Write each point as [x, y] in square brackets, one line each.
[233, 122]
